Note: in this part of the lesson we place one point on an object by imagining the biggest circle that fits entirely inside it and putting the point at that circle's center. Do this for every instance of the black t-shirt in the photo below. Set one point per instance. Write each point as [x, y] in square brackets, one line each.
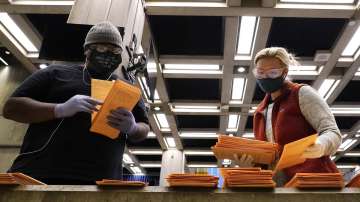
[73, 152]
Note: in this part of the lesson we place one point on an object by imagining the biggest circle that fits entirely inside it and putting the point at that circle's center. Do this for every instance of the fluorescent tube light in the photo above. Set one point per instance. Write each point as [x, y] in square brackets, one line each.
[353, 154]
[162, 122]
[246, 35]
[192, 66]
[193, 108]
[348, 143]
[3, 61]
[17, 33]
[150, 165]
[198, 153]
[202, 165]
[43, 3]
[319, 1]
[170, 141]
[343, 110]
[238, 88]
[127, 159]
[199, 135]
[353, 44]
[233, 122]
[327, 87]
[146, 151]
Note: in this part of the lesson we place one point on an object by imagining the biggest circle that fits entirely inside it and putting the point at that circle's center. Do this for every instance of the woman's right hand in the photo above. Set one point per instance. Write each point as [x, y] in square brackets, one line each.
[244, 160]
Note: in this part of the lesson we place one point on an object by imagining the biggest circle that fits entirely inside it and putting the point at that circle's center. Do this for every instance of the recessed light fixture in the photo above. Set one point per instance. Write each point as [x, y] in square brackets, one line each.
[327, 87]
[43, 66]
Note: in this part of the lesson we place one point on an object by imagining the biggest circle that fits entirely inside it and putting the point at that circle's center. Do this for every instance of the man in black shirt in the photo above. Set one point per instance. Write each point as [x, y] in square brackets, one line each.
[58, 147]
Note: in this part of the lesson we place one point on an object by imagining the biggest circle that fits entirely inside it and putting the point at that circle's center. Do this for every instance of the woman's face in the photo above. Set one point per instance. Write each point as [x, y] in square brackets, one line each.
[269, 67]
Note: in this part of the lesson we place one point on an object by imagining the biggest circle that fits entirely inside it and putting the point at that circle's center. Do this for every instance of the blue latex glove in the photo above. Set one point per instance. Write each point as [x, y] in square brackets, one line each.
[122, 120]
[77, 103]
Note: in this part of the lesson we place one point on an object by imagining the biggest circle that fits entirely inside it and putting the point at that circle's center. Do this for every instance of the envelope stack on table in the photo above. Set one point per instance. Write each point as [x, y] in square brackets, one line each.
[18, 179]
[121, 183]
[263, 152]
[247, 177]
[354, 182]
[316, 180]
[192, 180]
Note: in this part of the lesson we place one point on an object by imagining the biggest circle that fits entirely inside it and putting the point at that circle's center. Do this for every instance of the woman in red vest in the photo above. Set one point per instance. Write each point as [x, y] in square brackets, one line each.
[289, 112]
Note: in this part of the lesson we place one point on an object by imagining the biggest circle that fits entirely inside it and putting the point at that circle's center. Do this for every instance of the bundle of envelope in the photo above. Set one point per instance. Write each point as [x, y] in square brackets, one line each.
[121, 183]
[354, 182]
[263, 152]
[114, 94]
[247, 177]
[316, 180]
[192, 180]
[18, 179]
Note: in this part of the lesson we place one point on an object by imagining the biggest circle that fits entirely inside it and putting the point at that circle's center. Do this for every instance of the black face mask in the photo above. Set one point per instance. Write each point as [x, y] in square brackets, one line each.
[270, 85]
[101, 65]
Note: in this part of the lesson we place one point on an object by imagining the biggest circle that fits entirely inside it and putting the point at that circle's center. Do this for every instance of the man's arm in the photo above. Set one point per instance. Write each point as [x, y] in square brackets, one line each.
[27, 110]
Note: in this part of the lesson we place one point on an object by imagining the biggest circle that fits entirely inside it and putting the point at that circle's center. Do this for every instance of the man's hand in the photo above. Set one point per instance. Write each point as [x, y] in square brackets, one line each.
[122, 120]
[77, 103]
[244, 160]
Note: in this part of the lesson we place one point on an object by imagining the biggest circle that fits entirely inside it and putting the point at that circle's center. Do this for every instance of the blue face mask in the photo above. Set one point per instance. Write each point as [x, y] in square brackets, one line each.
[269, 85]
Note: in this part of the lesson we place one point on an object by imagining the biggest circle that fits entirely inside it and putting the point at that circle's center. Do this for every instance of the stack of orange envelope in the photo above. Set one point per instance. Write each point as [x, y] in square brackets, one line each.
[316, 180]
[114, 94]
[354, 182]
[192, 180]
[247, 177]
[18, 179]
[121, 183]
[263, 152]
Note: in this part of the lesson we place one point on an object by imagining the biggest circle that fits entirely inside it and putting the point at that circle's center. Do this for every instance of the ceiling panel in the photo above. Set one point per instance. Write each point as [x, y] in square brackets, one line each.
[346, 122]
[198, 143]
[188, 35]
[197, 121]
[193, 89]
[304, 36]
[348, 95]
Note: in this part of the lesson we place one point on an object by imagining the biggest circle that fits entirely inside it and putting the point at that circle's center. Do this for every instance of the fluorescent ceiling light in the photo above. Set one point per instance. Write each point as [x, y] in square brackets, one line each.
[3, 61]
[127, 159]
[151, 134]
[246, 35]
[170, 141]
[136, 170]
[150, 165]
[343, 110]
[241, 69]
[185, 4]
[233, 122]
[162, 122]
[145, 88]
[357, 135]
[192, 66]
[146, 151]
[319, 1]
[348, 143]
[199, 135]
[333, 158]
[353, 44]
[151, 67]
[327, 87]
[302, 68]
[193, 108]
[43, 66]
[248, 135]
[202, 165]
[43, 3]
[238, 88]
[226, 162]
[179, 71]
[252, 110]
[17, 33]
[346, 59]
[347, 166]
[242, 57]
[198, 153]
[353, 154]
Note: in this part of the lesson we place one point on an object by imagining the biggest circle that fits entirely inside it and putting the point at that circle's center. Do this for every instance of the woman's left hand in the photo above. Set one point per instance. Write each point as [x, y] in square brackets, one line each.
[314, 151]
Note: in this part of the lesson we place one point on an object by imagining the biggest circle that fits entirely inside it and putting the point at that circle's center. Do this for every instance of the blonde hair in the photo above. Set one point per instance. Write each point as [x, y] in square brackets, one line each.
[280, 53]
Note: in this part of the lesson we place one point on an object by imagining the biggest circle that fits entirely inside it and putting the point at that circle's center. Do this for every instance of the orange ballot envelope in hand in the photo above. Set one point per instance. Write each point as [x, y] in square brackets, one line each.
[115, 94]
[292, 152]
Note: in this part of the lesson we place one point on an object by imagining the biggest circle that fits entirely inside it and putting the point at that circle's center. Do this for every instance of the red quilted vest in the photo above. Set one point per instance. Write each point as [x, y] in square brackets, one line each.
[289, 125]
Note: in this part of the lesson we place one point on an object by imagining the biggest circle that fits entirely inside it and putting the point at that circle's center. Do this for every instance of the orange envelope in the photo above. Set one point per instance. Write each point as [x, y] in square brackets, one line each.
[293, 151]
[121, 94]
[99, 90]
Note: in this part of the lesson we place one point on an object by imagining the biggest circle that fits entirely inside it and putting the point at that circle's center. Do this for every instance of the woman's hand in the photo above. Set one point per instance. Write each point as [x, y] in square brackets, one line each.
[244, 160]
